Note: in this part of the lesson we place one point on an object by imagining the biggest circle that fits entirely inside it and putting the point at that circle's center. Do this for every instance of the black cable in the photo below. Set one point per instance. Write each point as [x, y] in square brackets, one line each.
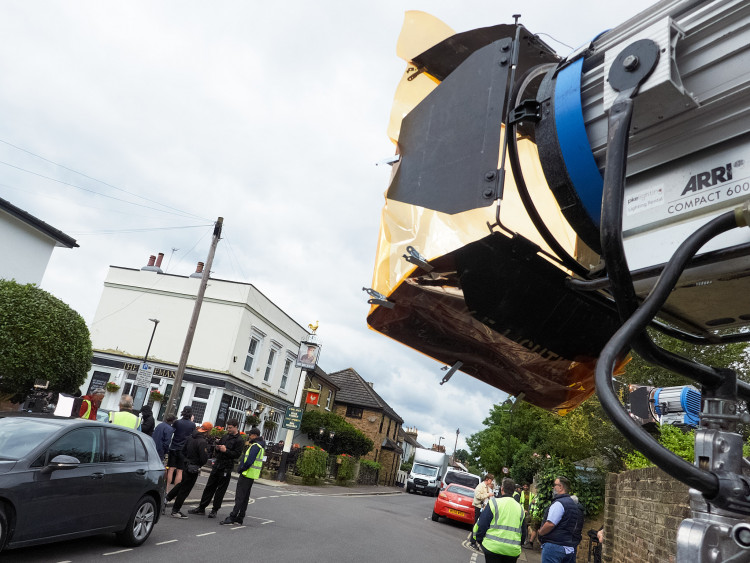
[617, 265]
[566, 259]
[631, 330]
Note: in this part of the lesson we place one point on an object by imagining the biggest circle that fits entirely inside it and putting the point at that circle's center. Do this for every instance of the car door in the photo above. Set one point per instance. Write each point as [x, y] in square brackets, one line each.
[126, 468]
[64, 501]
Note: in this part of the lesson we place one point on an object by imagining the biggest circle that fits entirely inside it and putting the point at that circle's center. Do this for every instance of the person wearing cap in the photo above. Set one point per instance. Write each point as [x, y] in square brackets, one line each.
[228, 449]
[90, 404]
[183, 429]
[196, 456]
[249, 471]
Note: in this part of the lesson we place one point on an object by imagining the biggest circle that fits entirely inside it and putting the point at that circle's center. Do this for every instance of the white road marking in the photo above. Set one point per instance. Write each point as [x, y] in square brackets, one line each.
[206, 534]
[168, 541]
[117, 552]
[237, 527]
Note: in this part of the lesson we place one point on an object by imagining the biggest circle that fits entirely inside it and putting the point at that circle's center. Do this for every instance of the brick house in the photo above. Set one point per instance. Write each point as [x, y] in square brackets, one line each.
[318, 382]
[362, 407]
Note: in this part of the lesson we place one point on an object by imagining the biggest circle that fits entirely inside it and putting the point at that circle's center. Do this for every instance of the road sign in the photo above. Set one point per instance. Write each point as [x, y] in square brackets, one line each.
[144, 376]
[292, 418]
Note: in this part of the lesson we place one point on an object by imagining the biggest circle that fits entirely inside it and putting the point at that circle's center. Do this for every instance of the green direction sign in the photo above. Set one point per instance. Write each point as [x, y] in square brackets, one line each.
[292, 418]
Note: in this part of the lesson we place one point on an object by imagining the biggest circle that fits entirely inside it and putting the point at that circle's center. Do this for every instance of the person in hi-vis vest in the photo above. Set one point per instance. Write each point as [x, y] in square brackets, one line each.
[249, 470]
[125, 416]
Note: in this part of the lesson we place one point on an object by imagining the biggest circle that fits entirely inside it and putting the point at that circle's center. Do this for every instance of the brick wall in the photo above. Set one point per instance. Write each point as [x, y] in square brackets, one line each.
[642, 511]
[375, 425]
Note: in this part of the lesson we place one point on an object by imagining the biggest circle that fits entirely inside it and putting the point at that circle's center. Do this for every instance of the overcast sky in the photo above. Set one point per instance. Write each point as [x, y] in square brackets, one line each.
[131, 126]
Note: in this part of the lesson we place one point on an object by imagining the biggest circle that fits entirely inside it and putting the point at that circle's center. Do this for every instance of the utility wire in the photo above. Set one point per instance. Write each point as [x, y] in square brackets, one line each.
[94, 179]
[180, 213]
[144, 230]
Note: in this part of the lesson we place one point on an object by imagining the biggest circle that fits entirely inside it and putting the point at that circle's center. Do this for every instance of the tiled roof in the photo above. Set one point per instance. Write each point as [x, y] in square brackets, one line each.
[409, 439]
[320, 374]
[353, 390]
[389, 444]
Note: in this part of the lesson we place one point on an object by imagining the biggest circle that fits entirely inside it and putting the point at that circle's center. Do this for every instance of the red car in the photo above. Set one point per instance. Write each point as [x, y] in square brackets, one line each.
[454, 502]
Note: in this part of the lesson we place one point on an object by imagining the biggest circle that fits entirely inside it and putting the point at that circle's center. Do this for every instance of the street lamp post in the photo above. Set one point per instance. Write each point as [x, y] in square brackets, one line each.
[156, 322]
[441, 438]
[139, 392]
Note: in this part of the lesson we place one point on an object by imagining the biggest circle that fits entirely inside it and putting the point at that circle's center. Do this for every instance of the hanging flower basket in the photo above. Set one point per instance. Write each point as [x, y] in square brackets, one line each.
[252, 420]
[112, 387]
[156, 397]
[269, 424]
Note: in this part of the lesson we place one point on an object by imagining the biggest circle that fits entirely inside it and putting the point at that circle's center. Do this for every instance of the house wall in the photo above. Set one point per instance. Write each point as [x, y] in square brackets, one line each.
[230, 315]
[24, 253]
[220, 367]
[375, 425]
[327, 394]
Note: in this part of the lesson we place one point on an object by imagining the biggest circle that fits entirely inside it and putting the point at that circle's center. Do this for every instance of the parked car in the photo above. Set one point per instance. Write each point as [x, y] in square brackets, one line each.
[64, 478]
[454, 502]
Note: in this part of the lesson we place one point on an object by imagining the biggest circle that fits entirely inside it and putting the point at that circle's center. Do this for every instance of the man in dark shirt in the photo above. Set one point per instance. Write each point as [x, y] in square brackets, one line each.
[183, 429]
[163, 435]
[228, 449]
[196, 456]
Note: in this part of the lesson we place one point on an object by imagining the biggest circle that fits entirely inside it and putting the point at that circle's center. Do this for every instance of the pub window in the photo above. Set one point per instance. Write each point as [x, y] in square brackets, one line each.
[354, 412]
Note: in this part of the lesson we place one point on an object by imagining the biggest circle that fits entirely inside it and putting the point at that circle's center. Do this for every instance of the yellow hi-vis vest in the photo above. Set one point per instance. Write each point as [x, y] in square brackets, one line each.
[126, 419]
[88, 408]
[254, 471]
[504, 534]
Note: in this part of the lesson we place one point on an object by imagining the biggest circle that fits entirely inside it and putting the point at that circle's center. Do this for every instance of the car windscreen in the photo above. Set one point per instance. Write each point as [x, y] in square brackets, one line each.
[20, 435]
[467, 479]
[426, 470]
[461, 490]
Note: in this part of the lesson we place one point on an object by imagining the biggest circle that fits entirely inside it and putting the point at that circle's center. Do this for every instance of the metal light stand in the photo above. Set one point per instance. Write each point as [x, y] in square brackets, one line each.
[717, 530]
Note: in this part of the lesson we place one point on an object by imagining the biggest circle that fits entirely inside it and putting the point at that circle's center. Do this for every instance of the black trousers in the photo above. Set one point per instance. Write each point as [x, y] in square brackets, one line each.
[241, 498]
[490, 557]
[216, 488]
[181, 491]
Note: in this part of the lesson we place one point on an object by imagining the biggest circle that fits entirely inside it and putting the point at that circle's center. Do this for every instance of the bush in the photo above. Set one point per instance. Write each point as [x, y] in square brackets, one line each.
[40, 338]
[346, 467]
[312, 464]
[347, 438]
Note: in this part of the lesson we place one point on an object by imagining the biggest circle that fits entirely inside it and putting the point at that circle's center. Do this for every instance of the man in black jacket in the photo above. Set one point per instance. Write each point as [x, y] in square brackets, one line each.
[196, 456]
[249, 471]
[228, 449]
[183, 429]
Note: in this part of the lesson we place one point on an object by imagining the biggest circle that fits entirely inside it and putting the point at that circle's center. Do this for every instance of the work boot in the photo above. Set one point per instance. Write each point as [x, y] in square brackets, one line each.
[227, 520]
[212, 514]
[197, 511]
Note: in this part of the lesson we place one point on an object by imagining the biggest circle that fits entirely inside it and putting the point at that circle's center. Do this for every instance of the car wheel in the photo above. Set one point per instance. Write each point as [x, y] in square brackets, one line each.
[3, 529]
[140, 523]
[435, 516]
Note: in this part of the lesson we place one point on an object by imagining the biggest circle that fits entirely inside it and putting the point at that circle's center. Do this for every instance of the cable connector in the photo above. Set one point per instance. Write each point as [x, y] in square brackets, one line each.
[742, 214]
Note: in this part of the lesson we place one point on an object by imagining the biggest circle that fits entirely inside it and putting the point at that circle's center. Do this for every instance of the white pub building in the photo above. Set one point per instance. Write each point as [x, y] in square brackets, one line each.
[242, 359]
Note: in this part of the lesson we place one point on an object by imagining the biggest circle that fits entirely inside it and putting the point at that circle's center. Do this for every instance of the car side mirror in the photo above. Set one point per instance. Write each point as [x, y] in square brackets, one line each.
[61, 462]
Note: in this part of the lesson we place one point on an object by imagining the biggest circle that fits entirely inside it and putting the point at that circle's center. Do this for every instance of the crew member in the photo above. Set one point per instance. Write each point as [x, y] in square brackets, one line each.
[563, 522]
[90, 404]
[249, 470]
[125, 416]
[500, 528]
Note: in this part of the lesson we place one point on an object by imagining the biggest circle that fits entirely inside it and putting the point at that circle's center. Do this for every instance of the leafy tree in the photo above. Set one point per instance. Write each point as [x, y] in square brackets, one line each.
[462, 456]
[40, 338]
[347, 439]
[725, 355]
[674, 439]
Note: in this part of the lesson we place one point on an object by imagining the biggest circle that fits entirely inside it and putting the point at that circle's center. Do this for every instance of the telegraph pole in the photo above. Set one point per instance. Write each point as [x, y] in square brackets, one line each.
[172, 406]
